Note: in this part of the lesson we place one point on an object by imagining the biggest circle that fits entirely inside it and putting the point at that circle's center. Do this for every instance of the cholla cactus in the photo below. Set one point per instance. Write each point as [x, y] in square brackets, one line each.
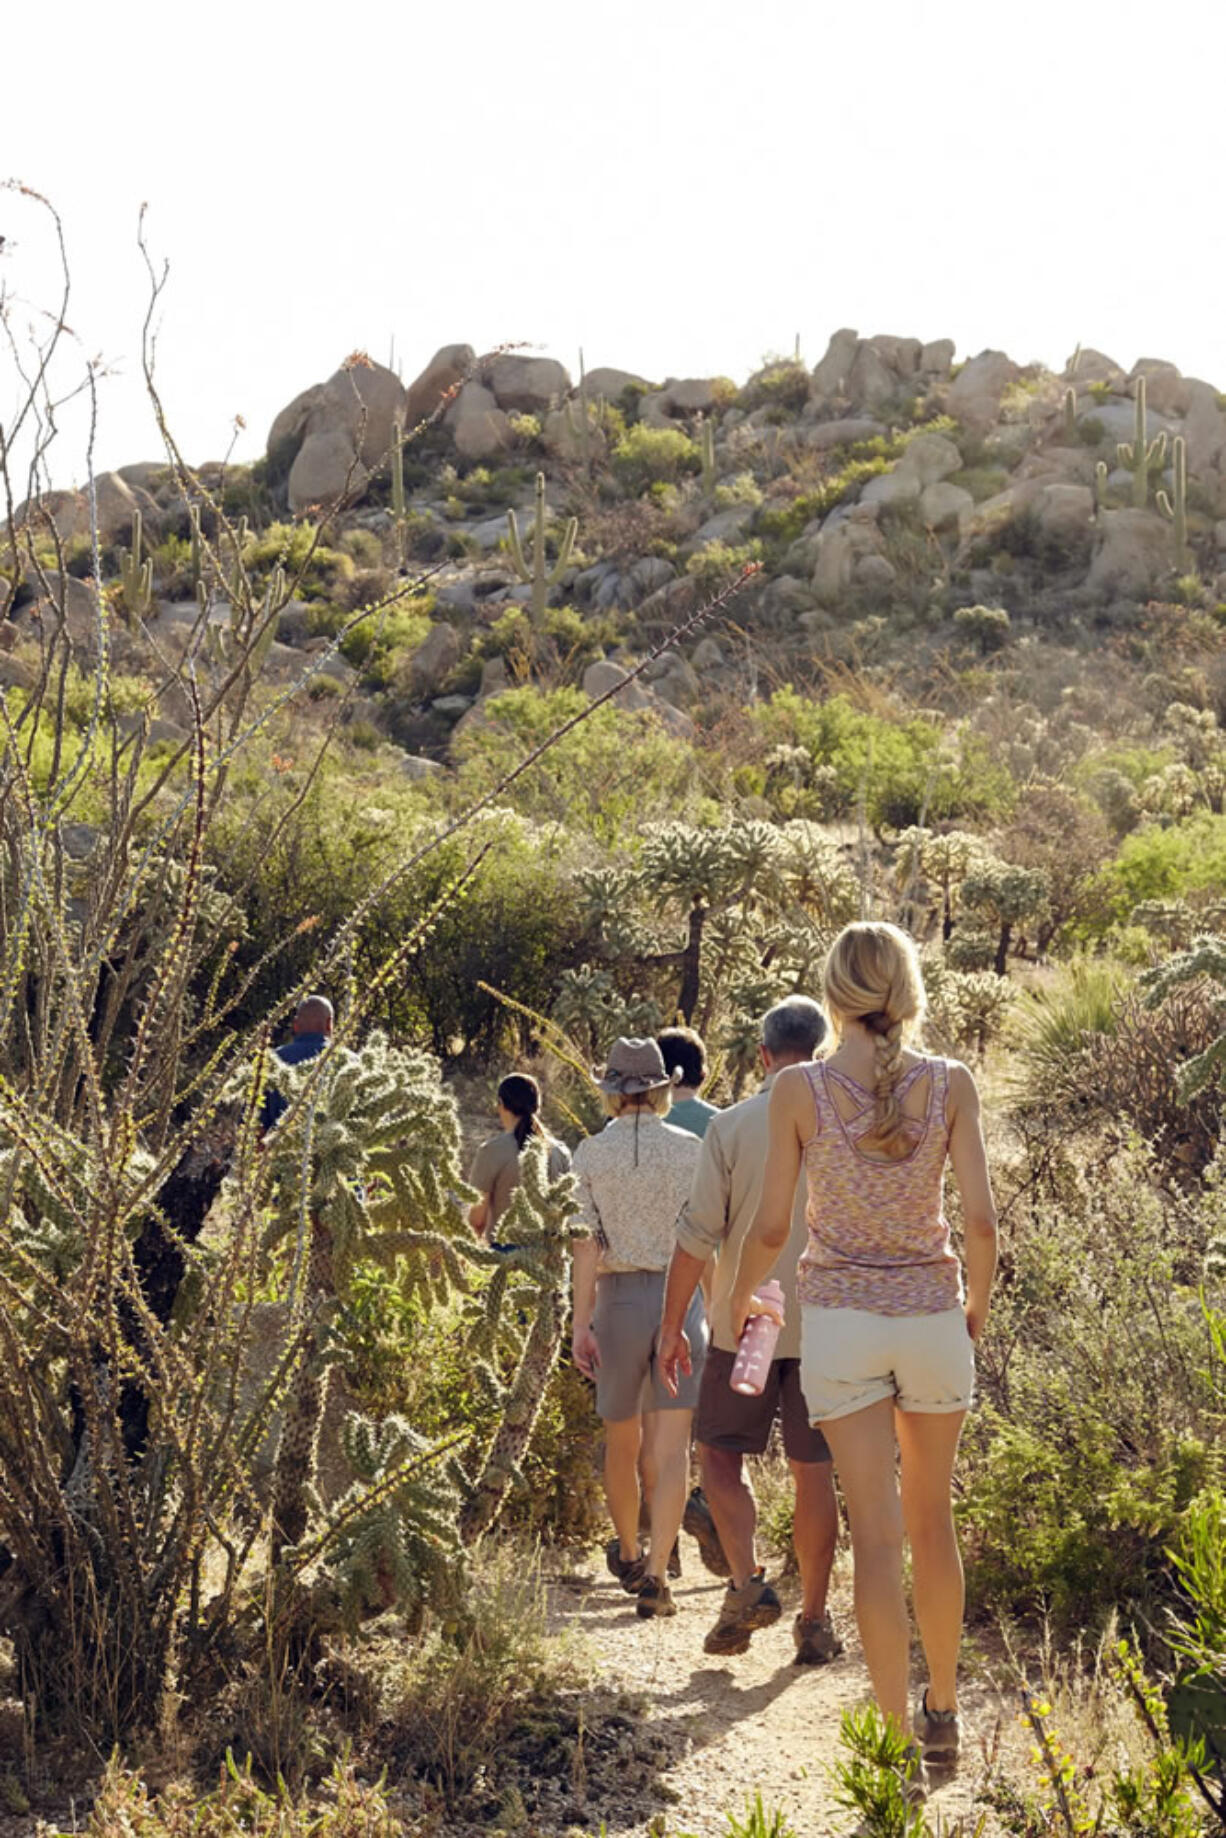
[537, 1223]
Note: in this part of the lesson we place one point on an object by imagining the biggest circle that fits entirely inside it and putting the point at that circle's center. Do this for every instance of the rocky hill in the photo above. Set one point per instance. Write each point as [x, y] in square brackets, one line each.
[881, 494]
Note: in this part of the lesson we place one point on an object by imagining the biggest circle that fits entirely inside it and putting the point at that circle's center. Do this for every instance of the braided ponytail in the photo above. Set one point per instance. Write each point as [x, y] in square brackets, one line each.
[873, 976]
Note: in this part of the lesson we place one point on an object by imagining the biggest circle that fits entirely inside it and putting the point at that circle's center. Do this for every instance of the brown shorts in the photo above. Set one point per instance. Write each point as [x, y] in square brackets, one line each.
[728, 1420]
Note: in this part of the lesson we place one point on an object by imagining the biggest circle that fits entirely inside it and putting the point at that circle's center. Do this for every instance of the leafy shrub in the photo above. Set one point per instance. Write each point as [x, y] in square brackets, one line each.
[903, 765]
[782, 526]
[1156, 863]
[987, 626]
[649, 456]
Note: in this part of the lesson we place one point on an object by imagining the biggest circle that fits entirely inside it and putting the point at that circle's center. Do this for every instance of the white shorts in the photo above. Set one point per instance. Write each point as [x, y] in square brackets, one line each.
[850, 1359]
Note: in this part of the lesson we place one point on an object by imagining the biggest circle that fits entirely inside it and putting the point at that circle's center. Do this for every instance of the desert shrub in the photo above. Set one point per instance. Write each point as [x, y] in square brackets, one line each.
[363, 547]
[743, 489]
[782, 525]
[986, 626]
[901, 764]
[1097, 1377]
[1156, 863]
[719, 563]
[239, 1807]
[649, 456]
[314, 570]
[380, 643]
[615, 773]
[783, 384]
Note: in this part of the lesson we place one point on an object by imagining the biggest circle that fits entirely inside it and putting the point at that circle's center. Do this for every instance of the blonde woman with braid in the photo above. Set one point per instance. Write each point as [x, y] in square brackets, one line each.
[888, 1332]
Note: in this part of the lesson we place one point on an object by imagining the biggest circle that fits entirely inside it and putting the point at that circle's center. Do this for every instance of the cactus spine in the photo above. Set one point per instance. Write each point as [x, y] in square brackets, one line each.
[706, 448]
[539, 576]
[197, 562]
[1139, 453]
[135, 575]
[1175, 506]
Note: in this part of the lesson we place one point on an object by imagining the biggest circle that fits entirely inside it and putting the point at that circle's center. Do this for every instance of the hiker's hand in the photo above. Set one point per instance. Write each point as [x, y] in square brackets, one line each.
[976, 1317]
[673, 1354]
[744, 1306]
[585, 1352]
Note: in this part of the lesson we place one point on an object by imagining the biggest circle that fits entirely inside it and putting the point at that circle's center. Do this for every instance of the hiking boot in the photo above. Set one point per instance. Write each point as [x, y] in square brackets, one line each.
[698, 1522]
[629, 1571]
[674, 1560]
[939, 1732]
[816, 1641]
[655, 1598]
[743, 1611]
[914, 1782]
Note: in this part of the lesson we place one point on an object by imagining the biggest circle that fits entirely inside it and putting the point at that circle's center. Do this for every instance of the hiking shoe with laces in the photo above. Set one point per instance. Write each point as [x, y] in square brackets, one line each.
[629, 1571]
[816, 1641]
[698, 1522]
[741, 1613]
[915, 1783]
[939, 1732]
[655, 1598]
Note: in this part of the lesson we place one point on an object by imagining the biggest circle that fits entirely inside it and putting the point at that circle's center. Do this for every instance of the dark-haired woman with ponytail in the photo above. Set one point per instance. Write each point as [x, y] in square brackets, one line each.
[495, 1172]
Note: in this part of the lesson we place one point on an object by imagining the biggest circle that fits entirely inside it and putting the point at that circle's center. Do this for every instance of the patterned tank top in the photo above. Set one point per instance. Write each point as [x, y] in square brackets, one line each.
[878, 1236]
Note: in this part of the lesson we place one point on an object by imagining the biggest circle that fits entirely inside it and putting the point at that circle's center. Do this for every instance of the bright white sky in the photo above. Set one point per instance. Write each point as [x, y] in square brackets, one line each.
[679, 186]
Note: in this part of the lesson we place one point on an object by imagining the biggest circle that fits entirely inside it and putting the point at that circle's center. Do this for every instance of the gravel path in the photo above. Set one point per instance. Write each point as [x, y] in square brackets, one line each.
[756, 1723]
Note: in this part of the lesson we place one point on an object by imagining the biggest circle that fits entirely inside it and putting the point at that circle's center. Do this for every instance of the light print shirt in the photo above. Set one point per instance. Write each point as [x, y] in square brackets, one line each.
[634, 1178]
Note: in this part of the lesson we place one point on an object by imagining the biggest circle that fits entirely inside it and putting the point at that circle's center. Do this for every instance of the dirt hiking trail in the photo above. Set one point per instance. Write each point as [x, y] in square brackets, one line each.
[731, 1727]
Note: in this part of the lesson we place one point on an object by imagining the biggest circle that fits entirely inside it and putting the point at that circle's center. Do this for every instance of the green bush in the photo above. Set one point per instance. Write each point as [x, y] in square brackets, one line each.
[987, 626]
[903, 765]
[653, 456]
[1167, 863]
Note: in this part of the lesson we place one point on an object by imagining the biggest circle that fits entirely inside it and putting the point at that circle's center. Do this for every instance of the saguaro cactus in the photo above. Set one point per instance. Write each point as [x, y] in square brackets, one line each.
[1140, 453]
[540, 577]
[1100, 487]
[1175, 505]
[397, 471]
[1070, 413]
[706, 448]
[135, 575]
[580, 424]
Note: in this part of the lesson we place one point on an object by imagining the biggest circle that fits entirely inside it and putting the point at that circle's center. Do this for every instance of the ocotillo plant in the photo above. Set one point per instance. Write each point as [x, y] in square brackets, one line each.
[1175, 505]
[1140, 453]
[540, 577]
[135, 575]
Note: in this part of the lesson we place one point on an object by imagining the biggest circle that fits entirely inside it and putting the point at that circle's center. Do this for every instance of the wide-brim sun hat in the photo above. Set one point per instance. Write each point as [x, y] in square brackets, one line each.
[631, 1067]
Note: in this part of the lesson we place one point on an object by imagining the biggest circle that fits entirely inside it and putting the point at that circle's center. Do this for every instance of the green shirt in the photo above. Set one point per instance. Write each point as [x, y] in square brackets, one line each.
[692, 1114]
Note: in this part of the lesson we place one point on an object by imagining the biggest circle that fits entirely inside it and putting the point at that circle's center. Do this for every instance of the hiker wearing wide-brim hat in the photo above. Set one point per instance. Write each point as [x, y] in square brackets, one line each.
[633, 1067]
[634, 1178]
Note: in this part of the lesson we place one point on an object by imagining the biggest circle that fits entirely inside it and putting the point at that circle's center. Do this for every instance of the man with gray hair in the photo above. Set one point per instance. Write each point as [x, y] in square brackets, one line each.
[727, 1425]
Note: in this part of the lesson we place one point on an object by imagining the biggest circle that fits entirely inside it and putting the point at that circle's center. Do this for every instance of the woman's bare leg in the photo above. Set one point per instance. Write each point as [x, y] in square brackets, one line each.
[928, 1444]
[864, 1451]
[666, 1434]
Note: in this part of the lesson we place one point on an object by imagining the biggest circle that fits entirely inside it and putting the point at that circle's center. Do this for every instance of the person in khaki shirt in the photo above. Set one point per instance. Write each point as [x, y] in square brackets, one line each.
[729, 1426]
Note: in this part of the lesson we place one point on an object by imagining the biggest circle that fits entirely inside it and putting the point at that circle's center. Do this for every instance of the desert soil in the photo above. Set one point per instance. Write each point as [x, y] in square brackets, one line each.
[756, 1723]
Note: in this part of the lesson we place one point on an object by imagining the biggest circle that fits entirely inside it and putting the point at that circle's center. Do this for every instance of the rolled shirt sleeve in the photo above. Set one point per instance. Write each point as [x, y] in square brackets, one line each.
[703, 1224]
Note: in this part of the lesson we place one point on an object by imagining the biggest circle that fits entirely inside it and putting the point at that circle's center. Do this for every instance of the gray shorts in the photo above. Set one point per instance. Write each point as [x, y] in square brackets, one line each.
[626, 1323]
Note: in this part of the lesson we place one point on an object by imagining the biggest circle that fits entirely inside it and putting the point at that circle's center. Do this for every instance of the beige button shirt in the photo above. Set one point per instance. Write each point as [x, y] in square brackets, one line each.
[634, 1178]
[721, 1207]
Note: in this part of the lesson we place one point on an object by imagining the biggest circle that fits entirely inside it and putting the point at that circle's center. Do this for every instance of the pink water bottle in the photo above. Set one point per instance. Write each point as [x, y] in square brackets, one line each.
[756, 1347]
